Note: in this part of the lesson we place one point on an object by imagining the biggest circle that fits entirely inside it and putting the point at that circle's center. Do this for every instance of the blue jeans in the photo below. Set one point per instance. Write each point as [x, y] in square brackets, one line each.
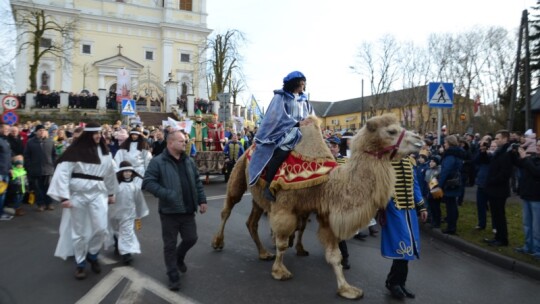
[481, 206]
[531, 227]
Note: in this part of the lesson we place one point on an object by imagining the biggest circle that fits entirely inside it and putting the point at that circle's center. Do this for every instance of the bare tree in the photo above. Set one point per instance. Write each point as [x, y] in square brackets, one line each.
[236, 86]
[43, 36]
[223, 60]
[382, 69]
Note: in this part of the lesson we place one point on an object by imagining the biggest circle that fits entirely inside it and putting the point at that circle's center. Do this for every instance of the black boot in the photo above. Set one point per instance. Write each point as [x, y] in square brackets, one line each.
[345, 263]
[267, 194]
[407, 292]
[395, 291]
[127, 258]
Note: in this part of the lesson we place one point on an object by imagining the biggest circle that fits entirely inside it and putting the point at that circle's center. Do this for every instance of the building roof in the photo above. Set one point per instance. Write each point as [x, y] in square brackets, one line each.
[388, 100]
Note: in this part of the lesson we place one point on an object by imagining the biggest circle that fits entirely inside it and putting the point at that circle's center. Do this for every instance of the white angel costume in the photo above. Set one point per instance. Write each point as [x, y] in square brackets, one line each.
[129, 205]
[83, 227]
[139, 159]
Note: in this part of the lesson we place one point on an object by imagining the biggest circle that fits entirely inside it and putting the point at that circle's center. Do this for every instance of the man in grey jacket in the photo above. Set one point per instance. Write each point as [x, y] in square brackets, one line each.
[173, 178]
[39, 158]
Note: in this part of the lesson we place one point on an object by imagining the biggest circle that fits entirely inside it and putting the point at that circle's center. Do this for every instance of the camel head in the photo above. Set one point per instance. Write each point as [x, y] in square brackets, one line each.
[384, 138]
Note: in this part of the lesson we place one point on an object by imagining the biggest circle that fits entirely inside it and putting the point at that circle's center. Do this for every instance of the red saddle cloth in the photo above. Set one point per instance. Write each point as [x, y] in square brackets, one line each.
[298, 172]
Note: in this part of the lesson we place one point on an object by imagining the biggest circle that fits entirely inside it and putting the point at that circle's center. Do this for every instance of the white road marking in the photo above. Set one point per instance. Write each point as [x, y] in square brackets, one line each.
[134, 291]
[218, 197]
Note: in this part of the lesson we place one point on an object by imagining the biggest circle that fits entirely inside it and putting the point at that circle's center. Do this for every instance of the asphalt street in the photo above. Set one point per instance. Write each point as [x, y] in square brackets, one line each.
[31, 274]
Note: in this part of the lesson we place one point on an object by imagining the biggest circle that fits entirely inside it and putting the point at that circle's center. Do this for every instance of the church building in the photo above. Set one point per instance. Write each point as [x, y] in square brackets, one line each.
[153, 40]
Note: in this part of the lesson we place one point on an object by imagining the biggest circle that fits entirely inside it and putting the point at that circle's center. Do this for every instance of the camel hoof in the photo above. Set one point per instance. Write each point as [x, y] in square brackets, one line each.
[302, 253]
[217, 244]
[350, 292]
[281, 275]
[267, 256]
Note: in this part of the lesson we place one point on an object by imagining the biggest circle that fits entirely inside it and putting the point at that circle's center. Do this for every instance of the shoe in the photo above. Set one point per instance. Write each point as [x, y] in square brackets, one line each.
[19, 212]
[80, 274]
[5, 217]
[360, 236]
[174, 282]
[479, 228]
[345, 263]
[41, 208]
[127, 258]
[9, 210]
[522, 250]
[267, 194]
[407, 292]
[489, 241]
[396, 291]
[373, 231]
[182, 267]
[451, 232]
[50, 207]
[94, 265]
[498, 244]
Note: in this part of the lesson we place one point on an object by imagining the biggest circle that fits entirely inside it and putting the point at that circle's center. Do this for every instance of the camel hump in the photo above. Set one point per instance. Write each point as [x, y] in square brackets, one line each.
[312, 144]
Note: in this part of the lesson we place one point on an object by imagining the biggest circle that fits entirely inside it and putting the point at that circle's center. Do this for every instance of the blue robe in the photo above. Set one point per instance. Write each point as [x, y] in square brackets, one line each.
[400, 237]
[278, 128]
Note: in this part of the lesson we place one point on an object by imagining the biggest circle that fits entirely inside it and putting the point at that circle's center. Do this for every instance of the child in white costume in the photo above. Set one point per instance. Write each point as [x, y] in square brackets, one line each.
[130, 205]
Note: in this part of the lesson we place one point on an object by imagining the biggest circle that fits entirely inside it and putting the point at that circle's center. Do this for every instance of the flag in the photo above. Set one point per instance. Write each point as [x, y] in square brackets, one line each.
[477, 104]
[179, 125]
[123, 85]
[256, 110]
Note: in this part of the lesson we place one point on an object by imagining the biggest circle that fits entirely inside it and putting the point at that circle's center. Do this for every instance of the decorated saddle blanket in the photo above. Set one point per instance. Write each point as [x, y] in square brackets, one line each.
[298, 172]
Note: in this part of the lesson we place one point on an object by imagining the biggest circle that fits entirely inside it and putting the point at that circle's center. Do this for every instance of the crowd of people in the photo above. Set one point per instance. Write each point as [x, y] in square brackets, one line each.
[96, 173]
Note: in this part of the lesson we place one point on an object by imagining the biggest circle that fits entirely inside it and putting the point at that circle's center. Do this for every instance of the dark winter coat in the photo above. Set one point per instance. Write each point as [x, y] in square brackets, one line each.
[39, 157]
[163, 179]
[499, 173]
[481, 162]
[452, 162]
[529, 184]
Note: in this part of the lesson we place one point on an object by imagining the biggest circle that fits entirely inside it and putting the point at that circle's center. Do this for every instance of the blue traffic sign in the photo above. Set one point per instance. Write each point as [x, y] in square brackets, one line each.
[10, 117]
[440, 95]
[128, 107]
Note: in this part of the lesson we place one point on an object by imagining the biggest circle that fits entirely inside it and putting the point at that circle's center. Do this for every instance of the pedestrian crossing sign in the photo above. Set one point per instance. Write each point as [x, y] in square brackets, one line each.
[440, 94]
[128, 107]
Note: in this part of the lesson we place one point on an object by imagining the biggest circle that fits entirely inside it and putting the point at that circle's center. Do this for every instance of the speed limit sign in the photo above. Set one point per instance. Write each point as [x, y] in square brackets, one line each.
[10, 102]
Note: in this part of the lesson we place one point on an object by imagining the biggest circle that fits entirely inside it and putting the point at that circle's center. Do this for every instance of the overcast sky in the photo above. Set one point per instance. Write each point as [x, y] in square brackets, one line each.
[321, 37]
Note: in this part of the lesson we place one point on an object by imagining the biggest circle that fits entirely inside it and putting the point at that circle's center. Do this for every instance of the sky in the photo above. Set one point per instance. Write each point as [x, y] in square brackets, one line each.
[321, 38]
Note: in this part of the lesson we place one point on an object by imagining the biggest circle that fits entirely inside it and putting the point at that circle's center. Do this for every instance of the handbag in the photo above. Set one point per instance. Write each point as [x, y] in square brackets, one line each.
[454, 182]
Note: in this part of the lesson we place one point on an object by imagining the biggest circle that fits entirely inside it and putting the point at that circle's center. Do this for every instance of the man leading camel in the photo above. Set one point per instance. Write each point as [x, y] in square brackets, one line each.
[280, 132]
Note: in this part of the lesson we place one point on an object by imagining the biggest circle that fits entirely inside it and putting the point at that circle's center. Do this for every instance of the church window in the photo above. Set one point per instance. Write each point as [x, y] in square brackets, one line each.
[186, 5]
[87, 49]
[149, 55]
[184, 57]
[45, 42]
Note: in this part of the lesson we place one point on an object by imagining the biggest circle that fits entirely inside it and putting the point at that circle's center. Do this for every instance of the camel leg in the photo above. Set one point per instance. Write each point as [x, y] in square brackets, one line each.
[253, 227]
[333, 257]
[283, 224]
[235, 190]
[300, 251]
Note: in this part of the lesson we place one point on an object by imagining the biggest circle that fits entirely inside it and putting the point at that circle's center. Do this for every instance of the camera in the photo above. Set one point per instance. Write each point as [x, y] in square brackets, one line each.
[515, 146]
[485, 144]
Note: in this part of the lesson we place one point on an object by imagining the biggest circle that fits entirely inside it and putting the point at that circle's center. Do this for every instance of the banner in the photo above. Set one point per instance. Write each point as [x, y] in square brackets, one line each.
[123, 85]
[178, 125]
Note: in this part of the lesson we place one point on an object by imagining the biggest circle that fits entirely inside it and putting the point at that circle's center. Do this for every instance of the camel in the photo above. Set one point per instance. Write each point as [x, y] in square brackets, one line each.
[345, 203]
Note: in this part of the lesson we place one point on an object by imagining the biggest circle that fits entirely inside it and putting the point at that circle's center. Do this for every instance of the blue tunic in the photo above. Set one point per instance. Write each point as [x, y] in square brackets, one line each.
[400, 237]
[278, 129]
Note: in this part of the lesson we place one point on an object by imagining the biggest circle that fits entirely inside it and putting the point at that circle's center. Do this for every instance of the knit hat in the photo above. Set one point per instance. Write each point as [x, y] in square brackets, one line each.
[39, 127]
[436, 159]
[347, 135]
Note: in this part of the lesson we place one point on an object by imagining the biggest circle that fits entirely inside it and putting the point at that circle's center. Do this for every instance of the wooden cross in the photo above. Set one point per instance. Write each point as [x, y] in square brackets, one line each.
[119, 49]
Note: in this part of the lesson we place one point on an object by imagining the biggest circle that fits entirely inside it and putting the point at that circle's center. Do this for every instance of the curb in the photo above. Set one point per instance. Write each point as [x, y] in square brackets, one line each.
[484, 254]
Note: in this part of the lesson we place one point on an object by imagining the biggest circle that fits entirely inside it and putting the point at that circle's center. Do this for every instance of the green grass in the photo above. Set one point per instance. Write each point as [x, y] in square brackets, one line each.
[468, 220]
